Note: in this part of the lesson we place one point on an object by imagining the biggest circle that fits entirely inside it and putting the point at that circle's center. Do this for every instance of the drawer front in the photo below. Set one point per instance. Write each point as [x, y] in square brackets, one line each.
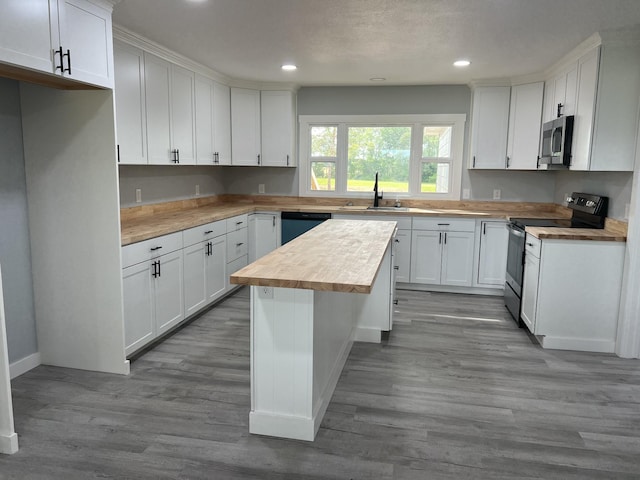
[237, 223]
[237, 244]
[204, 232]
[532, 245]
[445, 224]
[152, 248]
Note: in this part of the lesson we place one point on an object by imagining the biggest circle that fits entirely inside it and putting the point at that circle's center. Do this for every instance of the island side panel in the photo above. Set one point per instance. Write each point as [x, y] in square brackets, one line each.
[282, 362]
[334, 330]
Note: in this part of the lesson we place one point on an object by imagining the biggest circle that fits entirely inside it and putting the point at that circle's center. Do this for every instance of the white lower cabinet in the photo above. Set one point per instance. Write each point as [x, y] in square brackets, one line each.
[442, 251]
[152, 289]
[264, 234]
[492, 256]
[559, 304]
[237, 247]
[204, 273]
[402, 255]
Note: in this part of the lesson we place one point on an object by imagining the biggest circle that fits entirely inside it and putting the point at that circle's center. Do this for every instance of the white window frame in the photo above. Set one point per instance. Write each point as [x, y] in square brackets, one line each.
[417, 122]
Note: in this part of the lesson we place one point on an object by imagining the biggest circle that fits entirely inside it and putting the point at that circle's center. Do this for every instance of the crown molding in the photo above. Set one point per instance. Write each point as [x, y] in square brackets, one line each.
[129, 37]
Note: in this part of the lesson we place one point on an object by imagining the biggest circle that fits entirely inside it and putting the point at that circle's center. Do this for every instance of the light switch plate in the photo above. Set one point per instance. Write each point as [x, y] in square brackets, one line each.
[197, 189]
[261, 188]
[138, 195]
[265, 292]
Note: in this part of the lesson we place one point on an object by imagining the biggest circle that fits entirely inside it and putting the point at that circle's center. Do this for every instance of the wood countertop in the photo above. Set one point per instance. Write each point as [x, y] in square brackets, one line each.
[336, 256]
[592, 234]
[150, 221]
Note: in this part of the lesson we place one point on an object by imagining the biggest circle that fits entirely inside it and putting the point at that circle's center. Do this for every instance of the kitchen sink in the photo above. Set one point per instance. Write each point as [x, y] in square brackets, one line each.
[389, 209]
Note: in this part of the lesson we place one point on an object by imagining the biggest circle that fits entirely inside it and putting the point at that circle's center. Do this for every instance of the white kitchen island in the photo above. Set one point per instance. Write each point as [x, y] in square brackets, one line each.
[310, 300]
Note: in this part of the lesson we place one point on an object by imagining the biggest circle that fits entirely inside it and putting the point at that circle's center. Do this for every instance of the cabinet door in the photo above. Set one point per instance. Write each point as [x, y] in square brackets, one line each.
[490, 123]
[205, 153]
[530, 291]
[130, 105]
[426, 255]
[277, 122]
[525, 118]
[245, 127]
[263, 228]
[402, 255]
[139, 327]
[169, 298]
[183, 115]
[156, 87]
[585, 111]
[222, 123]
[494, 243]
[457, 259]
[85, 29]
[195, 267]
[215, 264]
[26, 33]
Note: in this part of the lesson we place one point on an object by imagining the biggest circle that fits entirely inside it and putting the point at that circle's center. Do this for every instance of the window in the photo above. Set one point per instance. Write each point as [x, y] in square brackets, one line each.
[414, 155]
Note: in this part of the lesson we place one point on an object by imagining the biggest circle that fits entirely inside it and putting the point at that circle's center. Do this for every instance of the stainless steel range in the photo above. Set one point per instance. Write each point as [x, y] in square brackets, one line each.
[589, 211]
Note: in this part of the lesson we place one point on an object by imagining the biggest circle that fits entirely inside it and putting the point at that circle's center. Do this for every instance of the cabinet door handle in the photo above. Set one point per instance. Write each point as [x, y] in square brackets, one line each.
[177, 155]
[474, 162]
[159, 271]
[153, 249]
[59, 52]
[508, 161]
[530, 244]
[118, 151]
[68, 69]
[397, 241]
[153, 271]
[445, 238]
[560, 106]
[484, 228]
[287, 160]
[274, 220]
[258, 159]
[440, 239]
[538, 162]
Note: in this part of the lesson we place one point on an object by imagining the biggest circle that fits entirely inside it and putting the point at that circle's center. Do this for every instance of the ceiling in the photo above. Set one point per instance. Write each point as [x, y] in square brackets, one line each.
[348, 42]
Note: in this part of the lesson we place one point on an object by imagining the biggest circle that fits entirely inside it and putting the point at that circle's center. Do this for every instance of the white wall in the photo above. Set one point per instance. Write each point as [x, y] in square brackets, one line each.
[15, 254]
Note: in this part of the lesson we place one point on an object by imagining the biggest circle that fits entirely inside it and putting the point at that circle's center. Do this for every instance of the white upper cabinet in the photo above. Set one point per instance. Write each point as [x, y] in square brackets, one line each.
[245, 127]
[71, 38]
[489, 125]
[525, 120]
[130, 104]
[277, 114]
[606, 123]
[560, 93]
[157, 86]
[170, 92]
[183, 115]
[222, 123]
[213, 127]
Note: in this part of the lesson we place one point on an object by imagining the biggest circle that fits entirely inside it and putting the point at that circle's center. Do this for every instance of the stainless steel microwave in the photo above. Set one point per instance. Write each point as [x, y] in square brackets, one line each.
[555, 145]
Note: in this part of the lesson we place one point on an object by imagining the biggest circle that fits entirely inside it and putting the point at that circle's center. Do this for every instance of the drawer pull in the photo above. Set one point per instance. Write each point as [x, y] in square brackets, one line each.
[396, 267]
[395, 302]
[530, 244]
[239, 244]
[443, 224]
[239, 223]
[153, 249]
[208, 232]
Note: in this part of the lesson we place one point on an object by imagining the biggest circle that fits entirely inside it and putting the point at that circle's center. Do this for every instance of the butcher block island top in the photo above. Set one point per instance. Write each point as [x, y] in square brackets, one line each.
[336, 256]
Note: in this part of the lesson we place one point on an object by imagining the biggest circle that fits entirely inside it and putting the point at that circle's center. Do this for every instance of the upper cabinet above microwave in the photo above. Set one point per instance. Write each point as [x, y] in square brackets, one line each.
[67, 39]
[505, 127]
[600, 89]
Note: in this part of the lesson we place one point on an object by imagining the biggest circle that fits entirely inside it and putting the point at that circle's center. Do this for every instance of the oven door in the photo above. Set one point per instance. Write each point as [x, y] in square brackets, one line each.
[515, 265]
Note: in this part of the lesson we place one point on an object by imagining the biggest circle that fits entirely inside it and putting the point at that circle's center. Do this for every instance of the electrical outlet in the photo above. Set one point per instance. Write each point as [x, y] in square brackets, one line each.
[265, 292]
[261, 188]
[197, 189]
[497, 193]
[466, 194]
[138, 195]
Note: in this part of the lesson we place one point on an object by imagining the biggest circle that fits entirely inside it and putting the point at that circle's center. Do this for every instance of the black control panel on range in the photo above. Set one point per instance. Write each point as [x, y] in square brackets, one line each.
[589, 211]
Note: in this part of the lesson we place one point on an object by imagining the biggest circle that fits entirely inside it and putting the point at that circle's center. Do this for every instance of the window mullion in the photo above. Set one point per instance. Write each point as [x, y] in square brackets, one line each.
[342, 160]
[415, 164]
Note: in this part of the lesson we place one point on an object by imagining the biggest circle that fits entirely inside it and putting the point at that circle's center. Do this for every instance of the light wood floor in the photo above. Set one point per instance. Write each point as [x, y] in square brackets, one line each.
[457, 392]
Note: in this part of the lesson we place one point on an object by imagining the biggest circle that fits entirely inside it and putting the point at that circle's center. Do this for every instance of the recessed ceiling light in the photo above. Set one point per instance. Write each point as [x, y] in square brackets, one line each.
[377, 79]
[462, 63]
[289, 67]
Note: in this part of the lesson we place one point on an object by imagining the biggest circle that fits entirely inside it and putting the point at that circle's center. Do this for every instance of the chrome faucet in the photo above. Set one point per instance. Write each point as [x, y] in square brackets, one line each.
[376, 197]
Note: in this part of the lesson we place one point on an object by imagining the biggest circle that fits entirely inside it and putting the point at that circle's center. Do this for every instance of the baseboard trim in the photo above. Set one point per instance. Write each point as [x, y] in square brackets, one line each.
[497, 292]
[579, 344]
[23, 365]
[9, 443]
